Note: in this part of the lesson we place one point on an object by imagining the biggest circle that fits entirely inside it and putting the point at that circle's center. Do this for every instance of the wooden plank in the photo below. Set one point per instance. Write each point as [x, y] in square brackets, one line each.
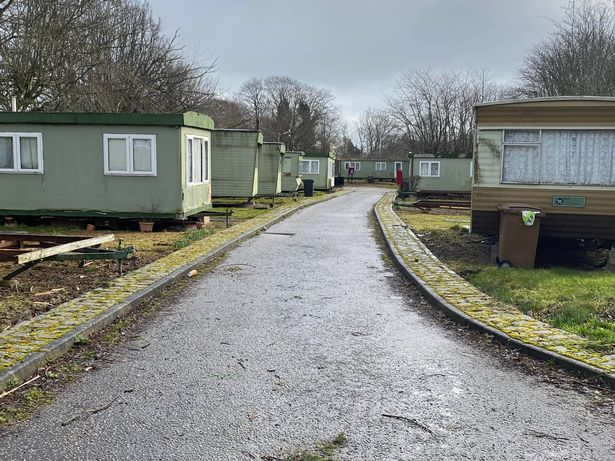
[65, 248]
[11, 254]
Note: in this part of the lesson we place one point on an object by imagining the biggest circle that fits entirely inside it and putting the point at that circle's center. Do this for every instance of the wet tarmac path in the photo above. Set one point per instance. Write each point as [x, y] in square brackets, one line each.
[302, 333]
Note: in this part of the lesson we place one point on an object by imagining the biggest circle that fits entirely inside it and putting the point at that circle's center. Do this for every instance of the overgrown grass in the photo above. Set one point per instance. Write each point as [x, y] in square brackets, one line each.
[191, 236]
[575, 300]
[430, 221]
[582, 302]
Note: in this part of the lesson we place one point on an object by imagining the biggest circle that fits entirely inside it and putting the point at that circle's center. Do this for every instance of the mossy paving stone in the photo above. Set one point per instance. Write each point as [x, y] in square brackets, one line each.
[35, 334]
[477, 305]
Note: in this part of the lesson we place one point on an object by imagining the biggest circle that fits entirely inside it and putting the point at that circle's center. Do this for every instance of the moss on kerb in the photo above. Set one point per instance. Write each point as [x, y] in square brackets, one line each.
[476, 304]
[33, 335]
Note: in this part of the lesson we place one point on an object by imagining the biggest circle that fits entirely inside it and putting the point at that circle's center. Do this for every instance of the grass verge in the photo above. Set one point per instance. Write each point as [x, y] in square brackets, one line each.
[575, 299]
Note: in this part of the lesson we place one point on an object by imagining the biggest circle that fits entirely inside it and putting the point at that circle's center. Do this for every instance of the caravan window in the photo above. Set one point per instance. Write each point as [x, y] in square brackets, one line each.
[355, 165]
[197, 160]
[21, 152]
[429, 169]
[309, 167]
[576, 157]
[130, 154]
[381, 166]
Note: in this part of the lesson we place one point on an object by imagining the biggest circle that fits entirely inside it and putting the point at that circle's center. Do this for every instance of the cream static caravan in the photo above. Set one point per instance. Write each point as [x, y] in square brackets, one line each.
[555, 153]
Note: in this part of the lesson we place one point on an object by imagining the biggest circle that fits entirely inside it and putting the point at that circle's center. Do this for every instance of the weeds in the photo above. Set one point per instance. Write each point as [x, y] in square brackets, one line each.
[324, 450]
[192, 236]
[575, 300]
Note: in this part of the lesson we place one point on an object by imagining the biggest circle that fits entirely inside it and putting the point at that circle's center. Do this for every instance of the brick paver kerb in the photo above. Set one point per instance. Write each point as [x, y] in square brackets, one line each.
[474, 303]
[34, 335]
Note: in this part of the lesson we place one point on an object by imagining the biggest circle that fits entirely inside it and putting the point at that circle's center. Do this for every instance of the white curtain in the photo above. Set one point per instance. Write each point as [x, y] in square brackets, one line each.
[583, 157]
[577, 157]
[189, 165]
[521, 136]
[197, 159]
[521, 164]
[6, 153]
[28, 153]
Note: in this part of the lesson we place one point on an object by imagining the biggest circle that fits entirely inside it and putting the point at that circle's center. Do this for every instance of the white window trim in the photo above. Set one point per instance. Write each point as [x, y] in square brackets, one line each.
[429, 175]
[381, 166]
[355, 165]
[207, 154]
[16, 135]
[129, 154]
[310, 161]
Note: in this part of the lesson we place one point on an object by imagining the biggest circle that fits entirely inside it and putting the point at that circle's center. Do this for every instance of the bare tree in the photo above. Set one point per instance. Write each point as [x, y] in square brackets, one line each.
[95, 55]
[435, 110]
[228, 114]
[579, 56]
[375, 130]
[252, 94]
[300, 115]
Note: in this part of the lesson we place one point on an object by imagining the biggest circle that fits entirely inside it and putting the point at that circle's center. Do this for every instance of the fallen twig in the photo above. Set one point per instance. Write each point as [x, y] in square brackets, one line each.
[431, 375]
[412, 421]
[91, 411]
[238, 264]
[50, 292]
[4, 394]
[543, 435]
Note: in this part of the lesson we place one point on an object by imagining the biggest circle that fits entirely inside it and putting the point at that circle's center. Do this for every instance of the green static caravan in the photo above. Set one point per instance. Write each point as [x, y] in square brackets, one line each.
[270, 168]
[378, 169]
[291, 179]
[104, 165]
[442, 174]
[319, 166]
[235, 162]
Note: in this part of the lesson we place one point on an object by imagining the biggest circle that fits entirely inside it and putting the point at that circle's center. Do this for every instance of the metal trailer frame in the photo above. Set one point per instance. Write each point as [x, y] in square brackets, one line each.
[14, 247]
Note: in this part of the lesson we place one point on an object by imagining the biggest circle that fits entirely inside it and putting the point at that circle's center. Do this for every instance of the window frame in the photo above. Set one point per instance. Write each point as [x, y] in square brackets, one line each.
[383, 166]
[129, 138]
[429, 163]
[16, 136]
[401, 167]
[191, 137]
[355, 165]
[310, 161]
[540, 130]
[504, 144]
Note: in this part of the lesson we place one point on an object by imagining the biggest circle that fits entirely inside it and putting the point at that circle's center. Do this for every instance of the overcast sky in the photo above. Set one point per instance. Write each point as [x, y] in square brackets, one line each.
[356, 48]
